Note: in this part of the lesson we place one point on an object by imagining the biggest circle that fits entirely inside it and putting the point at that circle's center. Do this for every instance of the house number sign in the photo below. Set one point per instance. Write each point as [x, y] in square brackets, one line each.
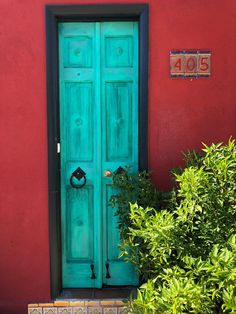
[190, 63]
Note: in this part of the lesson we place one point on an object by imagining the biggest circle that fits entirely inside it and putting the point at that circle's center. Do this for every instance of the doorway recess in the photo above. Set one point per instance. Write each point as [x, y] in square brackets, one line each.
[56, 14]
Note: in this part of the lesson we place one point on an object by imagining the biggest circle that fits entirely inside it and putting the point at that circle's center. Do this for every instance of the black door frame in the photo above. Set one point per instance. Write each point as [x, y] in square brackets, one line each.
[75, 13]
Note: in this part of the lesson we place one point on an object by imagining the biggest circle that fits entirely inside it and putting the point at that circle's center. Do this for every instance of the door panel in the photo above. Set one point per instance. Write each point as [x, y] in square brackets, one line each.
[78, 128]
[98, 72]
[80, 120]
[119, 48]
[78, 51]
[80, 221]
[118, 116]
[113, 238]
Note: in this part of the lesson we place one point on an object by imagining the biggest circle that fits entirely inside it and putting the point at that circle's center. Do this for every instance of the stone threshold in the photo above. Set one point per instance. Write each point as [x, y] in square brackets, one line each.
[78, 307]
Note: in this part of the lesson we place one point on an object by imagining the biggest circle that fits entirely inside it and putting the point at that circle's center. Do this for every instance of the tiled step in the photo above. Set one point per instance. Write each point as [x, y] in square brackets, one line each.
[78, 307]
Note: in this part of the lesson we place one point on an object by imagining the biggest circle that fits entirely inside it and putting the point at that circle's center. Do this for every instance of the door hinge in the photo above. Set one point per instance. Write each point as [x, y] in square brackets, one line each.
[58, 148]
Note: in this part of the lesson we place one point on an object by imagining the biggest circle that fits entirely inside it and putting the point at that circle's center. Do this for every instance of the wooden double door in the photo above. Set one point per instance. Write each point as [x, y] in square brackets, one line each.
[98, 91]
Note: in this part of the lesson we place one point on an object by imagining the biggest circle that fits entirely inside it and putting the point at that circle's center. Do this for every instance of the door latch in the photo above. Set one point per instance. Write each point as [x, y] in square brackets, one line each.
[58, 148]
[119, 170]
[108, 276]
[93, 273]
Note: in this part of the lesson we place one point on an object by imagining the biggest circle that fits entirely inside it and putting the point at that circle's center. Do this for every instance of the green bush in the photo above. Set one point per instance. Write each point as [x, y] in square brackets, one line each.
[135, 188]
[183, 243]
[206, 198]
[192, 286]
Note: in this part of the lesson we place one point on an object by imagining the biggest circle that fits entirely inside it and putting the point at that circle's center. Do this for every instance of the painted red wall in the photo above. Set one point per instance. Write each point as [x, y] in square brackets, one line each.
[182, 113]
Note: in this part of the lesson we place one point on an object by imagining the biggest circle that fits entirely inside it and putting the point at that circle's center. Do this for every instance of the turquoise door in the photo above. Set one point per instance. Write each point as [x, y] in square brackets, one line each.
[98, 74]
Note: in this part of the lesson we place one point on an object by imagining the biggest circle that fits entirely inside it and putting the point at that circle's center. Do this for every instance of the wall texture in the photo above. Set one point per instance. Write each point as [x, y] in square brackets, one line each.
[182, 114]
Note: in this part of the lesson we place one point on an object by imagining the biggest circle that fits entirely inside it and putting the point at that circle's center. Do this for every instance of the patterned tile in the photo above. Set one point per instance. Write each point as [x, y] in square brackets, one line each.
[79, 307]
[94, 310]
[37, 310]
[123, 310]
[110, 310]
[79, 310]
[93, 303]
[50, 310]
[64, 310]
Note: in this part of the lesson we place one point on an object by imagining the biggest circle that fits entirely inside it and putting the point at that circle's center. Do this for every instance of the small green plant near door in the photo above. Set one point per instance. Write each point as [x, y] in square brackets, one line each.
[134, 188]
[183, 244]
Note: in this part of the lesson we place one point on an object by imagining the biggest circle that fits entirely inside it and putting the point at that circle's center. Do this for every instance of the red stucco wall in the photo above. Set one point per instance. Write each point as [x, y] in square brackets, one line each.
[182, 113]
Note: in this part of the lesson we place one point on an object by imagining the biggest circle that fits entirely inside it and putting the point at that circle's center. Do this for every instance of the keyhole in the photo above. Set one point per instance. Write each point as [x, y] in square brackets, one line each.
[78, 121]
[119, 51]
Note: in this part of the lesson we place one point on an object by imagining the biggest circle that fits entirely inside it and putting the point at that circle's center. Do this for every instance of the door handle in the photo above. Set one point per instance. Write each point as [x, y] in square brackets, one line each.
[108, 276]
[119, 170]
[76, 176]
[93, 276]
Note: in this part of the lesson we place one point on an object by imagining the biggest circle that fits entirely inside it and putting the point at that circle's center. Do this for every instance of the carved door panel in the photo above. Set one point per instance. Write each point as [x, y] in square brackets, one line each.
[98, 74]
